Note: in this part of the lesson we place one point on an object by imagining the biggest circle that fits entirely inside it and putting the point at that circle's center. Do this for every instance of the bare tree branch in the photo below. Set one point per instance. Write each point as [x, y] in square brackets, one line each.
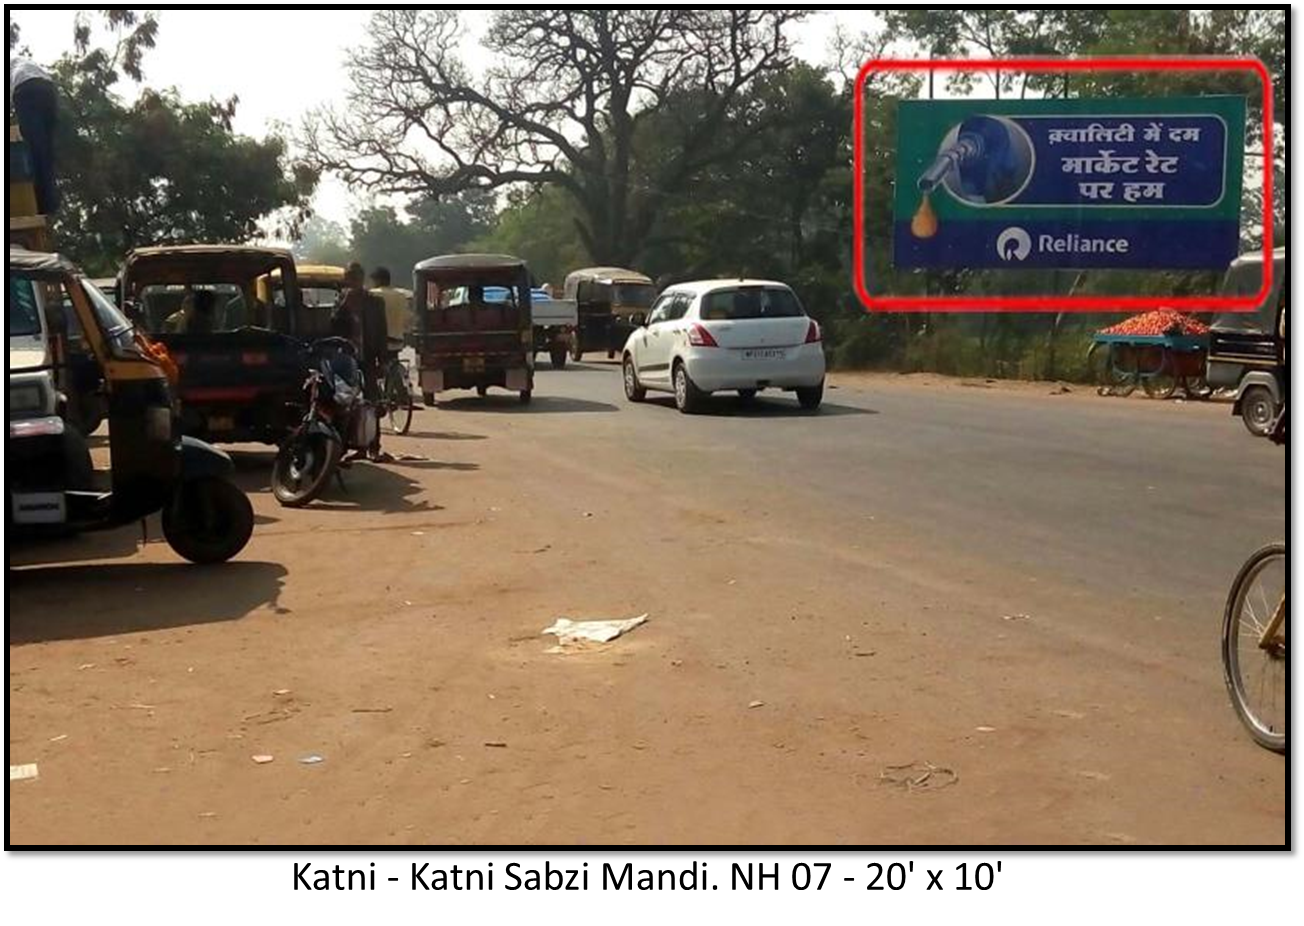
[562, 104]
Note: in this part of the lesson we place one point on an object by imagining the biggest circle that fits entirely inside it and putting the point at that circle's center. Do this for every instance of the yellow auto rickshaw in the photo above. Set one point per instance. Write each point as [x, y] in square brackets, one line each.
[51, 485]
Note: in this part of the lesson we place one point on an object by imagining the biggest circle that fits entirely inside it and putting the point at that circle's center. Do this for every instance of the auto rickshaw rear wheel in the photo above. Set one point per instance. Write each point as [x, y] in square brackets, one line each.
[209, 520]
[558, 358]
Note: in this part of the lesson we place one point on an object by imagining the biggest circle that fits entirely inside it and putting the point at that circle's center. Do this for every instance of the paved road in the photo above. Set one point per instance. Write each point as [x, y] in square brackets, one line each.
[1019, 590]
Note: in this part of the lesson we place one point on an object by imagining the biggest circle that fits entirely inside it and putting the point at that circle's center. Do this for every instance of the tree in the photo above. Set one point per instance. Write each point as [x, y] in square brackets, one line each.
[158, 170]
[380, 237]
[563, 106]
[539, 227]
[322, 241]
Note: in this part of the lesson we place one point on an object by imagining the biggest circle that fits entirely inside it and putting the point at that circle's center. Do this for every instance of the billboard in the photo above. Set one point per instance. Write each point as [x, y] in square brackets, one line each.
[1071, 184]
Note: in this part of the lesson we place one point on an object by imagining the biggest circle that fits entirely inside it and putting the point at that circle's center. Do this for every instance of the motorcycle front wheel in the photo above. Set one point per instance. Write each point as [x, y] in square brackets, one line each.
[303, 466]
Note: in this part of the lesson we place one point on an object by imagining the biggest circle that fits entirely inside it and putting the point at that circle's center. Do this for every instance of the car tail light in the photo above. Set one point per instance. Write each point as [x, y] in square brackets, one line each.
[813, 335]
[253, 359]
[700, 337]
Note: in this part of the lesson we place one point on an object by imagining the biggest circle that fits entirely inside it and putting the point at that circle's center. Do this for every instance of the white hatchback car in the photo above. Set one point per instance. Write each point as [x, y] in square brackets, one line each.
[713, 335]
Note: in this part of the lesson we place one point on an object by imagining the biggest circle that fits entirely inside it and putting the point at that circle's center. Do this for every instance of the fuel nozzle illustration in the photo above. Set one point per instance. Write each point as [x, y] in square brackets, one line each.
[982, 161]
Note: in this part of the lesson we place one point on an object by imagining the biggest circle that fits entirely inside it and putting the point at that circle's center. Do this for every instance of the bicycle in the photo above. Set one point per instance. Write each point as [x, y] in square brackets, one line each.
[396, 400]
[1256, 638]
[1254, 646]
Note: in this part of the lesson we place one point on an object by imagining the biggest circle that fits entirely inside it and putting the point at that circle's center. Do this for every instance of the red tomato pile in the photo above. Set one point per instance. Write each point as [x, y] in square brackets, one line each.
[1164, 322]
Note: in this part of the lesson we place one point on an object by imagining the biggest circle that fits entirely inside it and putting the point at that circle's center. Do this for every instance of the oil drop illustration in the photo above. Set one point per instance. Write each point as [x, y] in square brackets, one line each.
[924, 222]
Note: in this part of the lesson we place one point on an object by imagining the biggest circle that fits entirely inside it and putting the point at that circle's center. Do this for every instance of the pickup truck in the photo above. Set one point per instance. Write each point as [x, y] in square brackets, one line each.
[554, 321]
[554, 325]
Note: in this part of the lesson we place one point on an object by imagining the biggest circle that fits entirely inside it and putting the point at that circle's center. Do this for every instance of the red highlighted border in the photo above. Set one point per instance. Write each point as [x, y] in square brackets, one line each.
[1051, 303]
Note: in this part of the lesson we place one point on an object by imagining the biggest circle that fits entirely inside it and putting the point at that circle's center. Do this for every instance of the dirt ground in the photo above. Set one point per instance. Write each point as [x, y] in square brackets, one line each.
[801, 652]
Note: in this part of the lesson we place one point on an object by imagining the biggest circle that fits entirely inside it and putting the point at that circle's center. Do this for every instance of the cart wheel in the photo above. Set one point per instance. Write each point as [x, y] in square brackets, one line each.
[1161, 385]
[1099, 365]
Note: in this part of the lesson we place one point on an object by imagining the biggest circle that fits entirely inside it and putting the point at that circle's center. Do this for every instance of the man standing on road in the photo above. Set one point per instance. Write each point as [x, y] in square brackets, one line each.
[397, 310]
[36, 106]
[360, 317]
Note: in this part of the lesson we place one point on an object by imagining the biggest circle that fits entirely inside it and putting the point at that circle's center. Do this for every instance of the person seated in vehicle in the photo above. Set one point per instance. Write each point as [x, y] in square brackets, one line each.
[196, 315]
[204, 317]
[175, 322]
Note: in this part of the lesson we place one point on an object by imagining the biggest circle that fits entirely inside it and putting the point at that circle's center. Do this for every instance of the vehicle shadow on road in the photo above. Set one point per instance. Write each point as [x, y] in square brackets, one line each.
[109, 544]
[586, 366]
[106, 599]
[732, 407]
[445, 435]
[382, 487]
[541, 404]
[424, 463]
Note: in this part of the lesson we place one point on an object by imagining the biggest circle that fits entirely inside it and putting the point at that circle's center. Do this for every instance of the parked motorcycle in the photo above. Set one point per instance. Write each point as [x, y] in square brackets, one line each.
[338, 417]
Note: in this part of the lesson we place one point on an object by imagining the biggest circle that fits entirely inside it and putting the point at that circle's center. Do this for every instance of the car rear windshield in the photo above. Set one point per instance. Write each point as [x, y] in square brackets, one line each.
[750, 302]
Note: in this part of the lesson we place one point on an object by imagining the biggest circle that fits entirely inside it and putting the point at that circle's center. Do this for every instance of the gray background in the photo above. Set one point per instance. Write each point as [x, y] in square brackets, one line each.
[1066, 895]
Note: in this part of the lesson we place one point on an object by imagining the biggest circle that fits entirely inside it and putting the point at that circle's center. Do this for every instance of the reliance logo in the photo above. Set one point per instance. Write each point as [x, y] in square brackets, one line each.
[1013, 244]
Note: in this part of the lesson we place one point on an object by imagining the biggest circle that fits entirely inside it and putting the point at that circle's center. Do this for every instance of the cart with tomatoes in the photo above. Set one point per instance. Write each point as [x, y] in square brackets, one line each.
[1159, 352]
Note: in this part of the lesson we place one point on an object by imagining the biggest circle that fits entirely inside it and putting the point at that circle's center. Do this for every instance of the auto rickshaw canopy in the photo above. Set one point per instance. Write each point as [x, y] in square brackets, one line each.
[212, 263]
[40, 264]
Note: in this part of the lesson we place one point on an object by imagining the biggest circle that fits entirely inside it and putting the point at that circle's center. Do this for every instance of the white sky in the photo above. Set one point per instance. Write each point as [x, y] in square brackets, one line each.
[282, 63]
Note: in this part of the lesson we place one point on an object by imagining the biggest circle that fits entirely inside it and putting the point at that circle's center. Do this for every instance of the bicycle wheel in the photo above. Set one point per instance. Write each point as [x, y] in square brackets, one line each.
[1255, 671]
[398, 399]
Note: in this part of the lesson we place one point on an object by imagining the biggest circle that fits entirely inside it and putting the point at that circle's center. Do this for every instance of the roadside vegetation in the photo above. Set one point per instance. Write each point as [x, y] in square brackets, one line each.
[685, 143]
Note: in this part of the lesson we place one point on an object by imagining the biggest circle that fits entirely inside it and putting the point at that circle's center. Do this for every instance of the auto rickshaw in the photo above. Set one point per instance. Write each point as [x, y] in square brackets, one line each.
[468, 341]
[51, 483]
[235, 341]
[612, 302]
[319, 291]
[1246, 349]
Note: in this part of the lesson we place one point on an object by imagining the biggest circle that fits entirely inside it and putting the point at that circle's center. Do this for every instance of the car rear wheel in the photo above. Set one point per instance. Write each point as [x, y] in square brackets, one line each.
[633, 391]
[688, 398]
[810, 397]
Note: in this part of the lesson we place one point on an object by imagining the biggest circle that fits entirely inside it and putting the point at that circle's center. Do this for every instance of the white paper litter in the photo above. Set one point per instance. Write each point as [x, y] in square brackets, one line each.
[569, 631]
[23, 772]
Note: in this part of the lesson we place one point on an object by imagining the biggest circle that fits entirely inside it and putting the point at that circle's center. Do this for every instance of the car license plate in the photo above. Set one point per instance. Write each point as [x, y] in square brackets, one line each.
[764, 353]
[220, 424]
[473, 364]
[39, 508]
